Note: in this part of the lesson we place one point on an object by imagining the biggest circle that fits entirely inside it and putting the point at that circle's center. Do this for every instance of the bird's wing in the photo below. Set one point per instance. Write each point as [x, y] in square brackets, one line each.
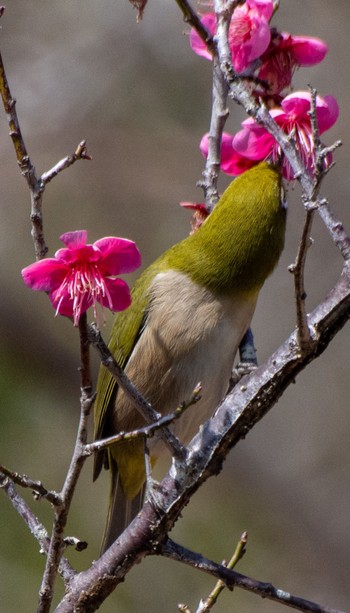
[126, 331]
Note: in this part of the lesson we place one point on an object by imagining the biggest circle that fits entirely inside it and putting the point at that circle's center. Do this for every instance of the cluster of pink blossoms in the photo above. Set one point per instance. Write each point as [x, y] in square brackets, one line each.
[260, 51]
[82, 275]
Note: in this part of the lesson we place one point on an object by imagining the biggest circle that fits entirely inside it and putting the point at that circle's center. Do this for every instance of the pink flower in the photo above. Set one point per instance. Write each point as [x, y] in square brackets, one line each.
[249, 34]
[254, 143]
[231, 162]
[80, 275]
[285, 54]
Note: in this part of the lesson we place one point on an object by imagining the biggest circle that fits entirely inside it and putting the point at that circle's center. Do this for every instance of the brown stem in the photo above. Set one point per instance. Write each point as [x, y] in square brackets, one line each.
[233, 579]
[57, 543]
[298, 270]
[81, 153]
[146, 431]
[191, 17]
[36, 486]
[32, 522]
[85, 371]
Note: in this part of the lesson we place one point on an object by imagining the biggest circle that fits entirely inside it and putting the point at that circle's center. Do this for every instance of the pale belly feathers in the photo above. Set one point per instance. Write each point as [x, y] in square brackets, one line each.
[190, 336]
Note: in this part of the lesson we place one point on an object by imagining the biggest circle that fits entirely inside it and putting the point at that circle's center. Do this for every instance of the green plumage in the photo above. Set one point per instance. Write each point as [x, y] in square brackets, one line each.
[230, 257]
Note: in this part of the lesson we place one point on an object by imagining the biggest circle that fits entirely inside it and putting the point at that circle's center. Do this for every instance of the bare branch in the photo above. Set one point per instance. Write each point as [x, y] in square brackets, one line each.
[25, 164]
[191, 17]
[219, 115]
[32, 522]
[81, 153]
[239, 552]
[57, 544]
[38, 488]
[145, 432]
[233, 579]
[298, 269]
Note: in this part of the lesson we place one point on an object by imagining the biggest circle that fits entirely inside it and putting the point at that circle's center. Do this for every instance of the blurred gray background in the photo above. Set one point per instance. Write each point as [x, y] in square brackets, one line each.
[86, 69]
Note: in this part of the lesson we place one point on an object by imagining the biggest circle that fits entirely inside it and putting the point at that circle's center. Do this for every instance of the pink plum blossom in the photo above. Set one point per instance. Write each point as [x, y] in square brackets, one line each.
[249, 34]
[254, 143]
[82, 275]
[286, 53]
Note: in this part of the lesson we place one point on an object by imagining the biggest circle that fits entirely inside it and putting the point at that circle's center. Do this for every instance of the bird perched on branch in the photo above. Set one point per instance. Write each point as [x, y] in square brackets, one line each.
[190, 310]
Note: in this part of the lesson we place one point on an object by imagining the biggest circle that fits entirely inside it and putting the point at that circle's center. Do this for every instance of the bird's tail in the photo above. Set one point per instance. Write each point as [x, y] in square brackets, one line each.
[121, 510]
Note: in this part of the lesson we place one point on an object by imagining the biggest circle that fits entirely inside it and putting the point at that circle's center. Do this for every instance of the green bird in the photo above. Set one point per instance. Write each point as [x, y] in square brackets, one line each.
[190, 310]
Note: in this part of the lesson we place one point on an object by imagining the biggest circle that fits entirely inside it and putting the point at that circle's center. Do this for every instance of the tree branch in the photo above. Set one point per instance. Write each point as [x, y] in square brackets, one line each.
[24, 481]
[298, 269]
[233, 579]
[207, 604]
[81, 153]
[32, 522]
[145, 432]
[57, 544]
[191, 17]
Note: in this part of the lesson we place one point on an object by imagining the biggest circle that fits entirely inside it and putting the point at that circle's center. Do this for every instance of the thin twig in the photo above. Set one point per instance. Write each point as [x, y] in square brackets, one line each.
[219, 116]
[298, 270]
[239, 552]
[145, 432]
[85, 370]
[25, 164]
[140, 403]
[191, 17]
[81, 153]
[335, 228]
[57, 544]
[231, 579]
[32, 522]
[315, 131]
[37, 487]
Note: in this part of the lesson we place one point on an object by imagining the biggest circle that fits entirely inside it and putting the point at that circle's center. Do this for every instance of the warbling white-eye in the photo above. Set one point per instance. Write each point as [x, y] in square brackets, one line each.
[189, 312]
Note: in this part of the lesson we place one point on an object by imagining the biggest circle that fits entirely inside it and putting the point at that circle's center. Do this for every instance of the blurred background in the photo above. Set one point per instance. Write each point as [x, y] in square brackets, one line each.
[86, 69]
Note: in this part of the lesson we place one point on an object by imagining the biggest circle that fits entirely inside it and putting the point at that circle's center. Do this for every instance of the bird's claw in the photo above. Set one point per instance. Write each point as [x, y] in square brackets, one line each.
[242, 369]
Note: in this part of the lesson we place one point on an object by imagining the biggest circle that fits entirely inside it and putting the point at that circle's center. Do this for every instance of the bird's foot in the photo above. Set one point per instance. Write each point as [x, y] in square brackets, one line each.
[242, 369]
[154, 491]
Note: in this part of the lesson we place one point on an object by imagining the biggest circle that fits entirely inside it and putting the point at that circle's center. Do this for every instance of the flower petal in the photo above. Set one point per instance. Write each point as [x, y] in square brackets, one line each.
[197, 45]
[119, 297]
[119, 255]
[260, 39]
[74, 239]
[62, 302]
[263, 7]
[297, 105]
[82, 254]
[253, 142]
[327, 112]
[307, 50]
[45, 275]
